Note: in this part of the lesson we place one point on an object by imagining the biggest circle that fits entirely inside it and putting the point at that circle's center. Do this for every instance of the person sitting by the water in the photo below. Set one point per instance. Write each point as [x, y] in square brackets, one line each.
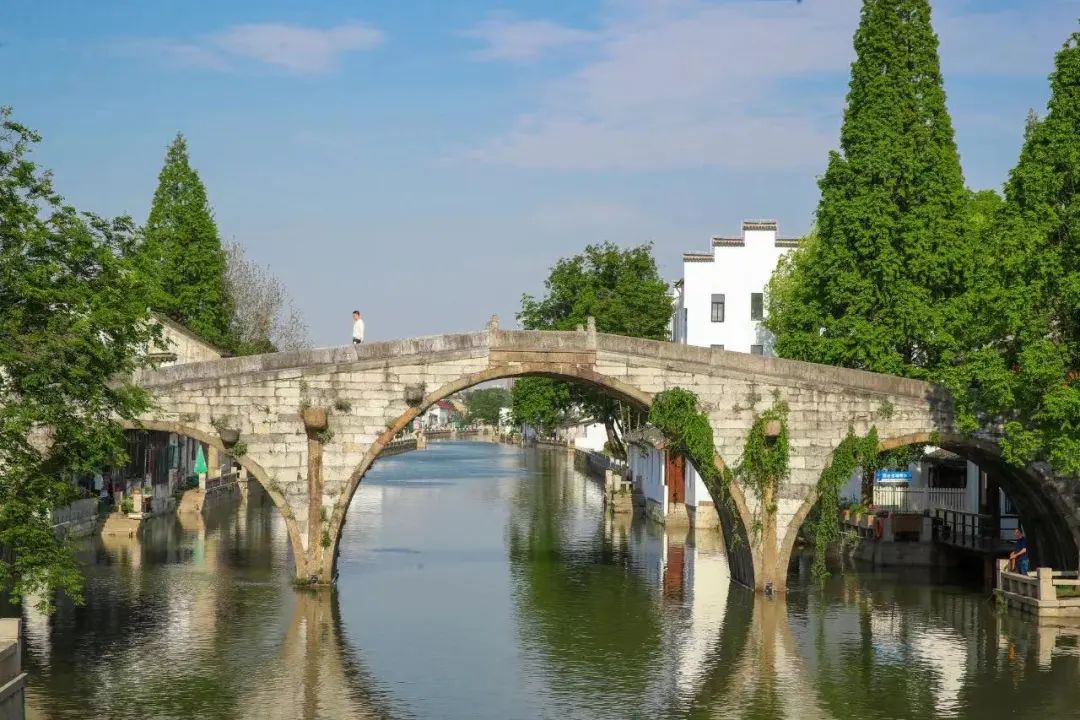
[1018, 558]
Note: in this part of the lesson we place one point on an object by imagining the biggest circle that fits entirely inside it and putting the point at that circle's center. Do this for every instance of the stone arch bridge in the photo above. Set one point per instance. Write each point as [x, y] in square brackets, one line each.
[372, 391]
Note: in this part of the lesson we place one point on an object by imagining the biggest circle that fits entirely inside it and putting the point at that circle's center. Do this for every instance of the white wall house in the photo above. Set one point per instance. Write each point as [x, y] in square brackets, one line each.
[590, 437]
[439, 416]
[720, 300]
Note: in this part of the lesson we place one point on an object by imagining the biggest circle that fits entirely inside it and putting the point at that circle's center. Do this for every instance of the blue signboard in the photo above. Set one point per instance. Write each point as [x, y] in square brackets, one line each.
[893, 476]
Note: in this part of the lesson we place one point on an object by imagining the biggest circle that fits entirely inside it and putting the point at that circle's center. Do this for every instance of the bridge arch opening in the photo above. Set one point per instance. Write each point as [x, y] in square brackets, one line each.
[735, 518]
[1041, 503]
[254, 469]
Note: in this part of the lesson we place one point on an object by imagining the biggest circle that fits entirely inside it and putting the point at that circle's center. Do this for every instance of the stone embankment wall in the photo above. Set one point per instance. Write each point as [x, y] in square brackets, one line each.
[398, 447]
[12, 678]
[79, 519]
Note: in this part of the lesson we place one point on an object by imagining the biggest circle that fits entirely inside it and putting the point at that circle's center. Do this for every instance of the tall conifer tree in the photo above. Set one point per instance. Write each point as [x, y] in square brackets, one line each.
[887, 253]
[184, 253]
[1040, 261]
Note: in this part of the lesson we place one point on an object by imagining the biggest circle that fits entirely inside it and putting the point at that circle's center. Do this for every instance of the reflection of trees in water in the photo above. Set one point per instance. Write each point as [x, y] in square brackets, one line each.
[608, 643]
[904, 648]
[207, 638]
[592, 621]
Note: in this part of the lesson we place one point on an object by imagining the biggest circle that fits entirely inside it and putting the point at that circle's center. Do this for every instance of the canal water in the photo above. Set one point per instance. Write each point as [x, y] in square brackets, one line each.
[485, 581]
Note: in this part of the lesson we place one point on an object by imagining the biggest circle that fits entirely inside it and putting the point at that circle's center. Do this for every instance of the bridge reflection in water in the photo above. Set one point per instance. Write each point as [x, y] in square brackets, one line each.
[484, 581]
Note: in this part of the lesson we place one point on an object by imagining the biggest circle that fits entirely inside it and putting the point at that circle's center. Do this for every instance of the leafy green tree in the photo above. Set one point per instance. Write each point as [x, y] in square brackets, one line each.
[541, 403]
[73, 318]
[890, 244]
[619, 287]
[484, 405]
[1039, 268]
[184, 254]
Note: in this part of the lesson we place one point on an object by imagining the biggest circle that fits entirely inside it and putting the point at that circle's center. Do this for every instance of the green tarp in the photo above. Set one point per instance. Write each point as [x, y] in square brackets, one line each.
[200, 462]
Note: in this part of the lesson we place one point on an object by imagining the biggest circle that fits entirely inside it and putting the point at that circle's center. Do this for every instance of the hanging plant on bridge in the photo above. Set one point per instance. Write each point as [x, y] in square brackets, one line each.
[852, 453]
[675, 413]
[764, 462]
[762, 467]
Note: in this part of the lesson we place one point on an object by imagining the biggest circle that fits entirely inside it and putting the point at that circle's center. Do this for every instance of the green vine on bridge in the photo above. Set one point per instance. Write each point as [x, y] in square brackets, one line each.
[764, 462]
[675, 413]
[853, 452]
[762, 467]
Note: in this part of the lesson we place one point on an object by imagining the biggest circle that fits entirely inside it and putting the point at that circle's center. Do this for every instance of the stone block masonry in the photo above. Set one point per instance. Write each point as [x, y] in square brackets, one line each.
[385, 385]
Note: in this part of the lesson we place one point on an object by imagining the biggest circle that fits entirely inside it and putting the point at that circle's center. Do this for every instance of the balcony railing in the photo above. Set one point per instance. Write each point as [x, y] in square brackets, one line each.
[916, 500]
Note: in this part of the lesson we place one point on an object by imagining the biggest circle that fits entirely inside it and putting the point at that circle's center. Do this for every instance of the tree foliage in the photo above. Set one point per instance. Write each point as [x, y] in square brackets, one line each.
[619, 287]
[889, 247]
[73, 318]
[622, 289]
[485, 405]
[264, 318]
[1037, 384]
[906, 273]
[183, 252]
[541, 403]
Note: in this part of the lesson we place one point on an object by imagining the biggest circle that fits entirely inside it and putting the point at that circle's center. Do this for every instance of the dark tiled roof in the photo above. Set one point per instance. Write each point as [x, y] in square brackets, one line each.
[728, 242]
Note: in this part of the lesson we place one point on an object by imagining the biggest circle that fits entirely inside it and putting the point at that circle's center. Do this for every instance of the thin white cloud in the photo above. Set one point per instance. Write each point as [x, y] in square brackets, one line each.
[293, 48]
[741, 84]
[298, 49]
[174, 53]
[677, 85]
[519, 40]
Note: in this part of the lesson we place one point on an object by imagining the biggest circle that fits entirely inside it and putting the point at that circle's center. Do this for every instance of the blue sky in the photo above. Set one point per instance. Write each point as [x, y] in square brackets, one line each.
[427, 161]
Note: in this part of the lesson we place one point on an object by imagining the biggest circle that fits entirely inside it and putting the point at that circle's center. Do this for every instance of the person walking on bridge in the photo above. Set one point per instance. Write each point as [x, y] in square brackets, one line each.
[357, 328]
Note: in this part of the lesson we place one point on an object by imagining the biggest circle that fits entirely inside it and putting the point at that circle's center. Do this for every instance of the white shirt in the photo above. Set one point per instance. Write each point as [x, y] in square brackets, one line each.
[358, 329]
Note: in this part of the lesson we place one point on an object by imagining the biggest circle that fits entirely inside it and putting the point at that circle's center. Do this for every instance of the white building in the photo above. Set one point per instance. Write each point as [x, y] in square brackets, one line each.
[720, 301]
[588, 437]
[940, 480]
[673, 492]
[181, 345]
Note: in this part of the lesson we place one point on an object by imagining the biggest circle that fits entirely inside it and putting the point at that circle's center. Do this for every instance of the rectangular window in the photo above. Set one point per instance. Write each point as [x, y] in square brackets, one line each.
[718, 308]
[757, 349]
[757, 306]
[717, 347]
